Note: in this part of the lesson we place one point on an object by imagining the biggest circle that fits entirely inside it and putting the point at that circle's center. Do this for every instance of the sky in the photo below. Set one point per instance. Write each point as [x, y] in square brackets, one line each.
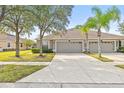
[81, 13]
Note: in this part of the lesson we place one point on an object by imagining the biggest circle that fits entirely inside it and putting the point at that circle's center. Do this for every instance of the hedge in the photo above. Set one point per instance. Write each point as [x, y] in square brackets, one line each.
[45, 50]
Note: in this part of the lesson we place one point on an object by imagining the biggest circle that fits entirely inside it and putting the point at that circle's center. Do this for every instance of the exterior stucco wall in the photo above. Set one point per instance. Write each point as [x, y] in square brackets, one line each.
[4, 45]
[52, 44]
[122, 43]
[5, 39]
[44, 42]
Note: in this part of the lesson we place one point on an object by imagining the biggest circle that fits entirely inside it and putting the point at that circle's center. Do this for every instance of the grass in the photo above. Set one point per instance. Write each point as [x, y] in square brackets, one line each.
[12, 73]
[25, 56]
[103, 59]
[120, 66]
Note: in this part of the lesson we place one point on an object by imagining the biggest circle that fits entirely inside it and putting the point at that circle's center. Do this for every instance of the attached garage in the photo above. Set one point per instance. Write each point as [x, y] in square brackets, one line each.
[69, 47]
[73, 41]
[106, 47]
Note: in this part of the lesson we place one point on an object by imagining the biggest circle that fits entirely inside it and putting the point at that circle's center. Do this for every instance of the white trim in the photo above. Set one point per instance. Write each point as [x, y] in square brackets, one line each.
[49, 44]
[118, 44]
[55, 46]
[115, 46]
[88, 45]
[83, 46]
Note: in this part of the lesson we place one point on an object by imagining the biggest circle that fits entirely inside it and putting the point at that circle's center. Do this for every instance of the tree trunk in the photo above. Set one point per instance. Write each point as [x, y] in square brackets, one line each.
[99, 42]
[17, 45]
[41, 50]
[87, 43]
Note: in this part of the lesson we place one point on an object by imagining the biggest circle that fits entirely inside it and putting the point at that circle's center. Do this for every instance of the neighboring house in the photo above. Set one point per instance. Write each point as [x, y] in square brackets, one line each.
[7, 41]
[73, 40]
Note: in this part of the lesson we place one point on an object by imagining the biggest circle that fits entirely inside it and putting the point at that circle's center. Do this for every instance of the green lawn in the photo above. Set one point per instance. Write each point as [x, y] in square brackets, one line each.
[103, 59]
[120, 66]
[26, 56]
[12, 73]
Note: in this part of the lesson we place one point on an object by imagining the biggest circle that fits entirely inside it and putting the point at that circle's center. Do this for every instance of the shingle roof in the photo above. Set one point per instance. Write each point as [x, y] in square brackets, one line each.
[77, 34]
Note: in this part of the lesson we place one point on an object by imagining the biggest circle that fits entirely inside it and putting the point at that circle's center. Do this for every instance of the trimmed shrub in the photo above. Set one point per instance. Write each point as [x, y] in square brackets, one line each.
[121, 49]
[11, 49]
[35, 50]
[45, 50]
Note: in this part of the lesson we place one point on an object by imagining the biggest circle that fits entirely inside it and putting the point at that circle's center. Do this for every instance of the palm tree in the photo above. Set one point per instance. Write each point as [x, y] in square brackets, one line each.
[85, 29]
[121, 27]
[78, 26]
[101, 20]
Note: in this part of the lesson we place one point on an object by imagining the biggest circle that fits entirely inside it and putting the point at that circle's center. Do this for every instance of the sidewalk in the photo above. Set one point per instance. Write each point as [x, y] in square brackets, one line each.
[25, 63]
[60, 85]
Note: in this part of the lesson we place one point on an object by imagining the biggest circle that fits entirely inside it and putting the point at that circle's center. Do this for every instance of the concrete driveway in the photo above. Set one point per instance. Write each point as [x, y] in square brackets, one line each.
[77, 68]
[117, 57]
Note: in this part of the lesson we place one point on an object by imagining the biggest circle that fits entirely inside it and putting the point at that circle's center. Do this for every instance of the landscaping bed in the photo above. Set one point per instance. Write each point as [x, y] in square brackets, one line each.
[103, 59]
[25, 56]
[120, 66]
[12, 73]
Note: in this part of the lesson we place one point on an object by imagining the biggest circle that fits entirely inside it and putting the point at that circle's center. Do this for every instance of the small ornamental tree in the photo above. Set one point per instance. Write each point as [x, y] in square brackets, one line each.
[50, 19]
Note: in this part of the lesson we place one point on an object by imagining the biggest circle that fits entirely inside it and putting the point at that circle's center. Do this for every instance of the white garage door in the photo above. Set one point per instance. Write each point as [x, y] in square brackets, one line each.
[69, 47]
[106, 47]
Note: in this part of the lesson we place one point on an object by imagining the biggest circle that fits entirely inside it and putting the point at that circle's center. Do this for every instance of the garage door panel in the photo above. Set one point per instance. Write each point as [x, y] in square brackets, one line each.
[106, 47]
[93, 47]
[69, 47]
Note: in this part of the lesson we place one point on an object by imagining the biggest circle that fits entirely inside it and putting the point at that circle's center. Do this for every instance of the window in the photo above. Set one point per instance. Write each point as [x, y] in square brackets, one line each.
[21, 45]
[8, 45]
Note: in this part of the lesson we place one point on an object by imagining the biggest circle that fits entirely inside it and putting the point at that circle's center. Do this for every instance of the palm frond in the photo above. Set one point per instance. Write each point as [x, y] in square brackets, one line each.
[97, 11]
[121, 27]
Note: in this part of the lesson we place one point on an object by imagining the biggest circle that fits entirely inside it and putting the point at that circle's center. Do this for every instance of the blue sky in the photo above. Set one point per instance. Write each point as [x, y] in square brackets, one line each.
[81, 13]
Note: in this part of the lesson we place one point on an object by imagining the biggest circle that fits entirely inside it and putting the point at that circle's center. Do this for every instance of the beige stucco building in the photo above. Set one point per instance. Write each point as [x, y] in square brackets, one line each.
[7, 41]
[73, 41]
